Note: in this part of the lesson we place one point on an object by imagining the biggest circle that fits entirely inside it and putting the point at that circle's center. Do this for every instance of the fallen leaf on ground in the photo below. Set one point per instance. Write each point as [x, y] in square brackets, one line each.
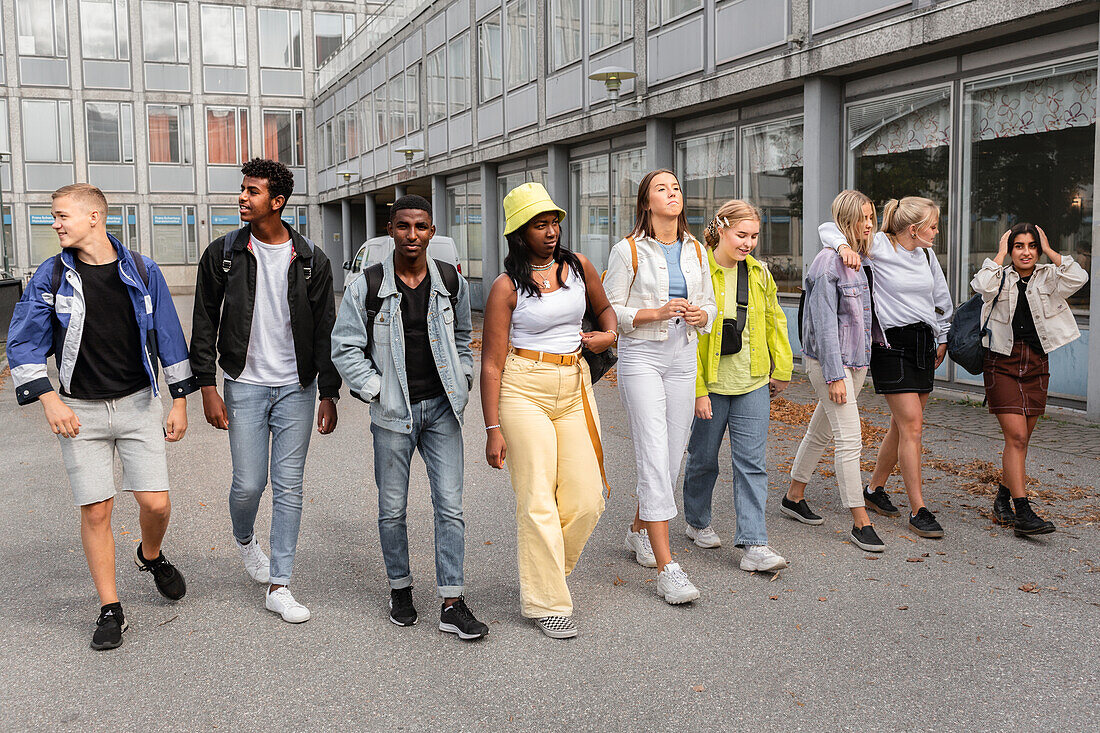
[822, 599]
[914, 559]
[903, 608]
[618, 580]
[1029, 588]
[698, 688]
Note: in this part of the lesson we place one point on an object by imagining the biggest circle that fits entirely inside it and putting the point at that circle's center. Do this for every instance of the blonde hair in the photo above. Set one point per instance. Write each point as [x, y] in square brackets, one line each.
[729, 213]
[86, 194]
[897, 216]
[847, 212]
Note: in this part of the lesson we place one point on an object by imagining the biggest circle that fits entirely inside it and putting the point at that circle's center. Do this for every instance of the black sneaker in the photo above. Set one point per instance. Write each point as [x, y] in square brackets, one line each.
[402, 612]
[799, 510]
[169, 581]
[459, 619]
[878, 502]
[109, 627]
[1028, 522]
[925, 524]
[1002, 507]
[865, 538]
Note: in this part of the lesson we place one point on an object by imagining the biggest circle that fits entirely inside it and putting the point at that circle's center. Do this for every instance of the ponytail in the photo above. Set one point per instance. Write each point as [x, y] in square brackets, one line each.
[897, 216]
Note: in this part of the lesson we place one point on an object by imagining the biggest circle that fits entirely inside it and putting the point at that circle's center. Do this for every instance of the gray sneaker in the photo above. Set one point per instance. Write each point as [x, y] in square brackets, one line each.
[706, 537]
[638, 543]
[673, 585]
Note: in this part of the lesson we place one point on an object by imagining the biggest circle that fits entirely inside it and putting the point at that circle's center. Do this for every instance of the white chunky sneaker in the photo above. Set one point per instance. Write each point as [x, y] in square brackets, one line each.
[673, 585]
[557, 627]
[280, 601]
[638, 543]
[705, 537]
[255, 561]
[762, 557]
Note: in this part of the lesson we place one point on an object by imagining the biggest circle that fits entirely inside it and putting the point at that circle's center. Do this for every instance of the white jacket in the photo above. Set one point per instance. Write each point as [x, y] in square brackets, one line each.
[1046, 292]
[650, 286]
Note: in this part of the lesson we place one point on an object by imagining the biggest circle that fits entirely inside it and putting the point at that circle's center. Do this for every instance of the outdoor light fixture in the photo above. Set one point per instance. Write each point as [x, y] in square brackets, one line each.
[612, 77]
[409, 153]
[346, 174]
[1076, 199]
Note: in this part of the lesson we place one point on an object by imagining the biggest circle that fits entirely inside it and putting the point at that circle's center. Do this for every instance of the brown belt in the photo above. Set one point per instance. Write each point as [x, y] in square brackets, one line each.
[589, 418]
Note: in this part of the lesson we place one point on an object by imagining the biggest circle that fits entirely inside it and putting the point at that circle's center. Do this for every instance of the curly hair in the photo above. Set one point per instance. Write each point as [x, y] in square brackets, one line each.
[280, 181]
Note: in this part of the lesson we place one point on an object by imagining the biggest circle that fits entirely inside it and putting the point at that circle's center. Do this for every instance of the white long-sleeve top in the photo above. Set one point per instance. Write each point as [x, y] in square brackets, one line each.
[909, 286]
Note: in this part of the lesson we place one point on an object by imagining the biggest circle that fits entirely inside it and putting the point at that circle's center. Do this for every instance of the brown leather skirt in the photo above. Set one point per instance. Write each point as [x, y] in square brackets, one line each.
[1017, 383]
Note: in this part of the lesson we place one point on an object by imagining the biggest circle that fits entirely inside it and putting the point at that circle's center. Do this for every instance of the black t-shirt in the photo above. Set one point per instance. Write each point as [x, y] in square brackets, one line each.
[420, 369]
[109, 363]
[1023, 321]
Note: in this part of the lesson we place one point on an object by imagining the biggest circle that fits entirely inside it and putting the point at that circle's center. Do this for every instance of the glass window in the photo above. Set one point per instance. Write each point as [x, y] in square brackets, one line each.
[772, 169]
[381, 115]
[412, 98]
[280, 38]
[565, 36]
[226, 135]
[708, 175]
[164, 29]
[284, 131]
[169, 133]
[47, 131]
[351, 119]
[340, 137]
[605, 23]
[464, 226]
[397, 107]
[489, 57]
[223, 220]
[509, 181]
[44, 243]
[41, 25]
[104, 29]
[175, 240]
[366, 124]
[330, 30]
[901, 146]
[627, 170]
[662, 11]
[223, 36]
[436, 72]
[458, 65]
[521, 42]
[590, 209]
[8, 249]
[110, 132]
[1030, 139]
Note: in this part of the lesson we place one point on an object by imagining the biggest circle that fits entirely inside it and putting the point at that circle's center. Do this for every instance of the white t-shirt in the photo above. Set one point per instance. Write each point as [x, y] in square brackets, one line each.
[271, 361]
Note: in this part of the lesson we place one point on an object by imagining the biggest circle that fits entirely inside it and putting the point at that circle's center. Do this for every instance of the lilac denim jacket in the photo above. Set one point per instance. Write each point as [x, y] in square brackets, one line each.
[836, 326]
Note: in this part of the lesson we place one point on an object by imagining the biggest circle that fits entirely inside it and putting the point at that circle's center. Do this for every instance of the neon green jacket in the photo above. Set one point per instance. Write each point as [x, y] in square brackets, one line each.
[770, 348]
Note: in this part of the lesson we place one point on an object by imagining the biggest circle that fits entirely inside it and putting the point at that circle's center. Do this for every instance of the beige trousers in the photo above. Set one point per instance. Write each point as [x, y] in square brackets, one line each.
[839, 423]
[555, 474]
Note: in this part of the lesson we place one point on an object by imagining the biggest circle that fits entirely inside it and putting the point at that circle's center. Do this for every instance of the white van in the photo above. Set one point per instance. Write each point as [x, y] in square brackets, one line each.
[375, 249]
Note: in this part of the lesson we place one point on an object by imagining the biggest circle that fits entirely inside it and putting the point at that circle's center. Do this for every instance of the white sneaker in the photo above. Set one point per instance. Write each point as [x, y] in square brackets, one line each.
[673, 585]
[705, 537]
[762, 557]
[255, 561]
[280, 601]
[638, 543]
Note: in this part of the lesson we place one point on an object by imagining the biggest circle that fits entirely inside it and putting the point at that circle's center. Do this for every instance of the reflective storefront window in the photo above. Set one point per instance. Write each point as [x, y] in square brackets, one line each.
[223, 219]
[708, 175]
[603, 197]
[175, 241]
[1030, 140]
[772, 174]
[44, 242]
[464, 226]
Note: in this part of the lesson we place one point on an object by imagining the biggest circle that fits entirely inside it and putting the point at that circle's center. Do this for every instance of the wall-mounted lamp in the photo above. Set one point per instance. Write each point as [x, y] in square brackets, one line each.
[346, 175]
[1076, 199]
[613, 78]
[409, 153]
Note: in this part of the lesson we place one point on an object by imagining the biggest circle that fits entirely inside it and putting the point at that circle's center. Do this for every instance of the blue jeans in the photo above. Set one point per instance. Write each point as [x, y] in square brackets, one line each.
[436, 432]
[747, 418]
[275, 422]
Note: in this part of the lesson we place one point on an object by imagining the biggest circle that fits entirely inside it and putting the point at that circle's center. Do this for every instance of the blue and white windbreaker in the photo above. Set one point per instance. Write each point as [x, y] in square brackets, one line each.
[44, 324]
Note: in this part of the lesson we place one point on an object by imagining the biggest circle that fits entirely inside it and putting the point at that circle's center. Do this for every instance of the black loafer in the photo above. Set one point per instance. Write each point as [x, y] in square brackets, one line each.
[878, 502]
[925, 524]
[800, 511]
[866, 538]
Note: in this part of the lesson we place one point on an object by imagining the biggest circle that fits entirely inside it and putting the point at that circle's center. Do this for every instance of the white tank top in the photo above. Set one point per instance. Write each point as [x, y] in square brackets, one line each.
[551, 323]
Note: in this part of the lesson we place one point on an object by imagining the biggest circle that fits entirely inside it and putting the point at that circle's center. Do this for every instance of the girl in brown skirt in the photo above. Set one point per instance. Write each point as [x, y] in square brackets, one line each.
[1030, 318]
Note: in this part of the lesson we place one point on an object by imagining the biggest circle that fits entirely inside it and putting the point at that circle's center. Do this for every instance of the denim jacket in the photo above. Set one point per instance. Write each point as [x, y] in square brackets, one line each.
[380, 378]
[836, 321]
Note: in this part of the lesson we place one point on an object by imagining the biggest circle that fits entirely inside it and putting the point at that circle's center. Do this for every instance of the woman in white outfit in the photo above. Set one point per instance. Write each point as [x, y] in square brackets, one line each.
[661, 290]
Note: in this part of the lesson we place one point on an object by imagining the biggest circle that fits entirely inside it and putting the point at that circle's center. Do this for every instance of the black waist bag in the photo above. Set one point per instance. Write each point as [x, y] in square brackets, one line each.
[732, 330]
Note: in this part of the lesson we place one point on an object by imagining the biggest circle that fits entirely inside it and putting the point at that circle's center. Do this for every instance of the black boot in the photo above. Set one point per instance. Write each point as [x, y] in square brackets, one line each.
[1028, 522]
[1002, 507]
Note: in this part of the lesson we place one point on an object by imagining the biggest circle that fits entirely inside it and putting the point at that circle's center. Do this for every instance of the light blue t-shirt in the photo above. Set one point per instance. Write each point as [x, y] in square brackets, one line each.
[677, 284]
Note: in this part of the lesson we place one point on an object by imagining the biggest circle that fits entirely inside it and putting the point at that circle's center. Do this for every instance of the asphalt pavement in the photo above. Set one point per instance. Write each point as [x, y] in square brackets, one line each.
[979, 631]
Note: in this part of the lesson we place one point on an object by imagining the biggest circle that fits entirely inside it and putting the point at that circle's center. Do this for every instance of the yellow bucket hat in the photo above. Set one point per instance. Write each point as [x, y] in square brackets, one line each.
[524, 202]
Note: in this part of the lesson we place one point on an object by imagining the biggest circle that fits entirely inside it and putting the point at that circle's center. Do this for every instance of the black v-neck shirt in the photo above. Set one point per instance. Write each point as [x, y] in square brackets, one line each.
[420, 368]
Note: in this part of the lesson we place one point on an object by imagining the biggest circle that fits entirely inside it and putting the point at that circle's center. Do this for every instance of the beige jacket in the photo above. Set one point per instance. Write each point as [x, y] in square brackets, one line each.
[1046, 292]
[650, 287]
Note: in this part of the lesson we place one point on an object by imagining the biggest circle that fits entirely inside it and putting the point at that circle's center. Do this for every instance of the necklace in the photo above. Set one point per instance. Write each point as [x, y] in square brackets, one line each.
[667, 244]
[543, 268]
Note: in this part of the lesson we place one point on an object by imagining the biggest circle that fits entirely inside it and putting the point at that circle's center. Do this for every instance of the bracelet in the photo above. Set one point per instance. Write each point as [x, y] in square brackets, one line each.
[490, 427]
[843, 244]
[615, 334]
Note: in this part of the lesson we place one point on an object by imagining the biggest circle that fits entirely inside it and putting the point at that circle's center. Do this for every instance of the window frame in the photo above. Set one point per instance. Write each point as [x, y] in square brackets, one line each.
[347, 29]
[436, 110]
[529, 49]
[62, 139]
[240, 34]
[241, 133]
[120, 22]
[484, 50]
[125, 118]
[552, 62]
[60, 41]
[297, 131]
[290, 15]
[182, 46]
[459, 42]
[184, 129]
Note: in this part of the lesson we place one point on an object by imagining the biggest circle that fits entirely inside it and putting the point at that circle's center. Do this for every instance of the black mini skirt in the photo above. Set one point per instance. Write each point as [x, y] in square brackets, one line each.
[908, 364]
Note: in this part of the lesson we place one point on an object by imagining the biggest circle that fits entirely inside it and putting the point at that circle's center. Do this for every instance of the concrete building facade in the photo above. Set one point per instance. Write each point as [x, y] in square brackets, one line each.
[986, 106]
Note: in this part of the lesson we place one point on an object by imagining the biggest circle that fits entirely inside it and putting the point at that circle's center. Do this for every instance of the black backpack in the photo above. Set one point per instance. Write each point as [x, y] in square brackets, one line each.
[59, 271]
[966, 339]
[231, 240]
[373, 275]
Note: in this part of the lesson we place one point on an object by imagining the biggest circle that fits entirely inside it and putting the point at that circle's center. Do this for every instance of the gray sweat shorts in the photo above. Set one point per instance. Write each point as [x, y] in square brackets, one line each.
[133, 427]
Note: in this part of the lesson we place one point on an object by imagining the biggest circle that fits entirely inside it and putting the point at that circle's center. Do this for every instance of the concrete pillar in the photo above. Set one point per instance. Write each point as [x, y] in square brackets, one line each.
[491, 238]
[398, 191]
[371, 216]
[822, 165]
[439, 204]
[557, 183]
[1092, 406]
[660, 151]
[345, 238]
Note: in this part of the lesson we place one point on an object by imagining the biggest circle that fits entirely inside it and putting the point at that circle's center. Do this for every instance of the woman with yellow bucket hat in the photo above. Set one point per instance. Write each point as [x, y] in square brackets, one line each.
[536, 394]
